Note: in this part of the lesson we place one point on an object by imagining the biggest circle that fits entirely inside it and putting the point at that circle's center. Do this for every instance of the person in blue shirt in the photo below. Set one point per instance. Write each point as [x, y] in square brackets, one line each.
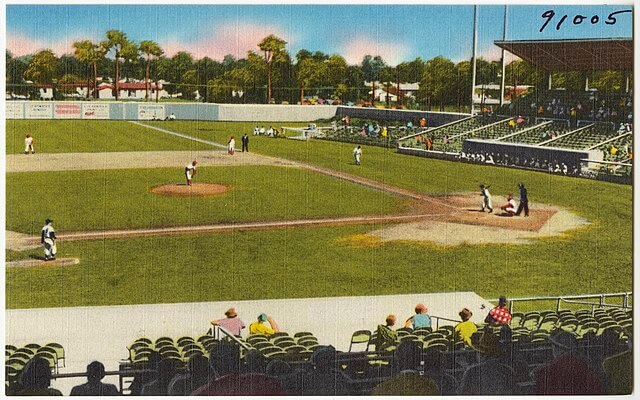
[420, 320]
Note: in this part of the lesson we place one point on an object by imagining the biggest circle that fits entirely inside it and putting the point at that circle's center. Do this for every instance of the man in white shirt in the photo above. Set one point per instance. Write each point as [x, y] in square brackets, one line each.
[28, 145]
[357, 153]
[190, 171]
[48, 240]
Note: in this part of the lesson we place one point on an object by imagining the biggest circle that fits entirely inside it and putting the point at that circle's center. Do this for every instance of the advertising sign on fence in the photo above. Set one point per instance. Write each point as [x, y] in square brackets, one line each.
[148, 111]
[66, 110]
[15, 110]
[95, 111]
[38, 110]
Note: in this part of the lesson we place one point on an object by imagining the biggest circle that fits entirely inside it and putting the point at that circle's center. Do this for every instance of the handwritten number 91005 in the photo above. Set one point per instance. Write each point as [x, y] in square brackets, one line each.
[578, 19]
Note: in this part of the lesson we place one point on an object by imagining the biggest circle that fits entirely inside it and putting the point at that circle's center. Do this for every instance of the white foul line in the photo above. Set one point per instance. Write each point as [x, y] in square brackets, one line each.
[182, 135]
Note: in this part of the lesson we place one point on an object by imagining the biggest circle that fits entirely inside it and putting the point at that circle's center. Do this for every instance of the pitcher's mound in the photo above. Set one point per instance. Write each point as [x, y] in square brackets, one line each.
[197, 189]
[38, 262]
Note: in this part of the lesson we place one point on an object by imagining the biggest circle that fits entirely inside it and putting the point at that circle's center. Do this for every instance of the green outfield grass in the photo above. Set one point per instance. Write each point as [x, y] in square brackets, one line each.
[106, 199]
[77, 136]
[308, 262]
[312, 261]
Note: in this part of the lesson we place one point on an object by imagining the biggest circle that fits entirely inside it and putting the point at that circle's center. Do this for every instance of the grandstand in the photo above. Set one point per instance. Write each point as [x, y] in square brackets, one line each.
[601, 329]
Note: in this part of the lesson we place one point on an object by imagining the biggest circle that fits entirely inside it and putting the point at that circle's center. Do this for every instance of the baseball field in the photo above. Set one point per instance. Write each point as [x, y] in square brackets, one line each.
[395, 224]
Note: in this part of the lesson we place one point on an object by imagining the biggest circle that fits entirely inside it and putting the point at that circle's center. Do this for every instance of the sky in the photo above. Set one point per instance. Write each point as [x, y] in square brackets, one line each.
[395, 32]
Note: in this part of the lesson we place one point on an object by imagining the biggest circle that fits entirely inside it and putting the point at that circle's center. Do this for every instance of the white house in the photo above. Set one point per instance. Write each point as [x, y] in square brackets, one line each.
[131, 90]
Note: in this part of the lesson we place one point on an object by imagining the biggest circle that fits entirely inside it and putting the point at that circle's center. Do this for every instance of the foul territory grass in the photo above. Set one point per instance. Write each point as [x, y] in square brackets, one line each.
[107, 199]
[309, 262]
[78, 136]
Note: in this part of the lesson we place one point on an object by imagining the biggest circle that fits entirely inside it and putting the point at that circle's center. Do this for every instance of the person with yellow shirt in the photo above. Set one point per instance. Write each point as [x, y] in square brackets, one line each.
[260, 326]
[466, 328]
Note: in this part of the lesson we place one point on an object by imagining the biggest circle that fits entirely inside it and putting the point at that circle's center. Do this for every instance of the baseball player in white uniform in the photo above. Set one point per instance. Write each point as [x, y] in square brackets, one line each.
[48, 240]
[28, 145]
[357, 153]
[486, 198]
[190, 171]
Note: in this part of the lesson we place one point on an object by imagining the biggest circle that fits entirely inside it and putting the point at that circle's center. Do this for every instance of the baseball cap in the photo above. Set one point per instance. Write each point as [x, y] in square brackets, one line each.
[262, 317]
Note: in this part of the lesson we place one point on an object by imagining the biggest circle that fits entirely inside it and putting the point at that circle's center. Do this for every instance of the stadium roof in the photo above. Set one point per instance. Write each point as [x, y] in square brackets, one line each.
[574, 54]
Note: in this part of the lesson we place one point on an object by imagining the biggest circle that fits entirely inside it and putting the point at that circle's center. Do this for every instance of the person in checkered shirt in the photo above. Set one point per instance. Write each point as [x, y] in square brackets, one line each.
[499, 315]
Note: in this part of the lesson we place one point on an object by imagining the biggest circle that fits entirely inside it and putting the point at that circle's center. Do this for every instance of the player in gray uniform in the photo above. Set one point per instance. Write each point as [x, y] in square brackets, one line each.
[486, 198]
[48, 240]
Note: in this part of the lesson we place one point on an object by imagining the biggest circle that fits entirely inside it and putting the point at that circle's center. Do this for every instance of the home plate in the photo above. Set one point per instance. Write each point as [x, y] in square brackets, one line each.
[34, 262]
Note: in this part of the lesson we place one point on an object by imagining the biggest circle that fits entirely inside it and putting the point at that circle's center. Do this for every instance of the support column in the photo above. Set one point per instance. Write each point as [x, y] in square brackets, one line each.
[504, 37]
[550, 81]
[586, 83]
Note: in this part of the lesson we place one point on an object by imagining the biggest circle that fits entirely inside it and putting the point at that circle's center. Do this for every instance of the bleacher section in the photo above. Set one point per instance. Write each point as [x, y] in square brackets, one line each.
[617, 150]
[544, 131]
[585, 138]
[17, 357]
[361, 135]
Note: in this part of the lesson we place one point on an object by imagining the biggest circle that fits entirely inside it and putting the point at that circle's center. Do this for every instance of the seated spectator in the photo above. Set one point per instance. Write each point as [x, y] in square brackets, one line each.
[619, 372]
[260, 326]
[143, 378]
[172, 117]
[254, 362]
[324, 379]
[406, 380]
[232, 323]
[196, 375]
[420, 320]
[490, 376]
[385, 335]
[93, 387]
[167, 369]
[567, 373]
[225, 362]
[499, 314]
[35, 380]
[466, 328]
[509, 207]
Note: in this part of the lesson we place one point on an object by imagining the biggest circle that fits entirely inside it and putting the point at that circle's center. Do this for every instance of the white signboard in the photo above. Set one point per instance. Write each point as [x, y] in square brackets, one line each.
[14, 110]
[95, 111]
[148, 111]
[38, 110]
[66, 110]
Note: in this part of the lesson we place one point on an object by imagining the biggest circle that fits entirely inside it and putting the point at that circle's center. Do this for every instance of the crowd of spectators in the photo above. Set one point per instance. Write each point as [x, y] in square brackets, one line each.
[551, 166]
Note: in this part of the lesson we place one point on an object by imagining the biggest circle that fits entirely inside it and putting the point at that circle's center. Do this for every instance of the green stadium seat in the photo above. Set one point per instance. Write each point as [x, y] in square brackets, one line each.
[295, 349]
[299, 335]
[360, 337]
[279, 334]
[307, 341]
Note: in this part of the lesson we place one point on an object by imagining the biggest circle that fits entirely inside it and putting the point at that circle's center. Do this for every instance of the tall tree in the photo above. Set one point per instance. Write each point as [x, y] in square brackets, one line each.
[438, 81]
[150, 49]
[273, 49]
[90, 53]
[42, 68]
[310, 72]
[117, 41]
[371, 67]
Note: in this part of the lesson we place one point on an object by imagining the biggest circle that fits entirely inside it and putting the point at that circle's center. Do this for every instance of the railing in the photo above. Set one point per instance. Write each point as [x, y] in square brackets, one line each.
[573, 299]
[123, 373]
[441, 318]
[537, 126]
[218, 332]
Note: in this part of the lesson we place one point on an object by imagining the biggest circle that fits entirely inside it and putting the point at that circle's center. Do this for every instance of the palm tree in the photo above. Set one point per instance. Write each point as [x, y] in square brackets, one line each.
[91, 53]
[150, 49]
[116, 40]
[273, 49]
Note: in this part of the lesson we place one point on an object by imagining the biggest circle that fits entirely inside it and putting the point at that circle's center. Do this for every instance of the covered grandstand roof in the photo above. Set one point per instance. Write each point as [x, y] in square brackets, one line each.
[574, 54]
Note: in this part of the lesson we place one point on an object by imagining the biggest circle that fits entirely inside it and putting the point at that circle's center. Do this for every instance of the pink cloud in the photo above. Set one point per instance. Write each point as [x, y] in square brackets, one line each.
[235, 39]
[20, 45]
[494, 54]
[355, 49]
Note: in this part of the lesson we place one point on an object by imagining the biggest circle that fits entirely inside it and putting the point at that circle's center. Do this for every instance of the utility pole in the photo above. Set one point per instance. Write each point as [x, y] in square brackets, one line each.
[504, 65]
[473, 59]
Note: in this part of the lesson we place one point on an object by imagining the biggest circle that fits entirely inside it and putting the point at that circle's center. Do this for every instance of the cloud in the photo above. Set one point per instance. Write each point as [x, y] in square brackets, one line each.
[20, 45]
[494, 53]
[355, 49]
[235, 39]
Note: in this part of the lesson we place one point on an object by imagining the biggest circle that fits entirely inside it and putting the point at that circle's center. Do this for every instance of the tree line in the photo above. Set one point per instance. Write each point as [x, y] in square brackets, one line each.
[270, 73]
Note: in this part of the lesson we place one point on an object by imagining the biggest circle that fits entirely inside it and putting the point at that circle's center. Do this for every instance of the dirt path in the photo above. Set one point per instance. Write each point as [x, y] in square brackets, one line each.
[451, 219]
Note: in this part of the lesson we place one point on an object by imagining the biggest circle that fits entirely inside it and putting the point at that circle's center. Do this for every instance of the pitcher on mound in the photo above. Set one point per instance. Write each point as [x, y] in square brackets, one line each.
[190, 171]
[48, 240]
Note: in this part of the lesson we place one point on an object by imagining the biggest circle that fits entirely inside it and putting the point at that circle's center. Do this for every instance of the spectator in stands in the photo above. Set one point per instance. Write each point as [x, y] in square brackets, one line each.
[232, 323]
[260, 326]
[619, 372]
[490, 376]
[466, 328]
[35, 380]
[224, 360]
[509, 207]
[385, 335]
[420, 320]
[254, 362]
[93, 387]
[326, 378]
[167, 369]
[196, 375]
[567, 373]
[143, 378]
[500, 314]
[406, 380]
